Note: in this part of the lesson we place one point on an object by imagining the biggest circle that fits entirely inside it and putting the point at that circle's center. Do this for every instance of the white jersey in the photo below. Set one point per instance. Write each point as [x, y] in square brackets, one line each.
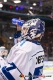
[24, 57]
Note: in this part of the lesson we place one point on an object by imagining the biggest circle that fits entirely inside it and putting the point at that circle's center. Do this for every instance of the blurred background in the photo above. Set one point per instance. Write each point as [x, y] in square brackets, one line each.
[26, 9]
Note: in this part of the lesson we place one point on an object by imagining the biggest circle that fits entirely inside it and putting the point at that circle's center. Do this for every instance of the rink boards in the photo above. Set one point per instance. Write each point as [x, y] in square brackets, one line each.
[47, 71]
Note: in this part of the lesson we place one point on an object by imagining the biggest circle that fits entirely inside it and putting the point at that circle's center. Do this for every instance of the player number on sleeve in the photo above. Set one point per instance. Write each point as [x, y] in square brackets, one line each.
[40, 59]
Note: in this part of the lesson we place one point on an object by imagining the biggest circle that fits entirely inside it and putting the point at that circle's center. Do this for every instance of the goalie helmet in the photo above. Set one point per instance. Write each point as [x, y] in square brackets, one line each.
[33, 28]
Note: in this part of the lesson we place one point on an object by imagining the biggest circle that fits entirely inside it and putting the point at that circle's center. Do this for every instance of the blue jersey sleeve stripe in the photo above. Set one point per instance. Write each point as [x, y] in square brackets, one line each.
[7, 73]
[14, 66]
[37, 53]
[38, 72]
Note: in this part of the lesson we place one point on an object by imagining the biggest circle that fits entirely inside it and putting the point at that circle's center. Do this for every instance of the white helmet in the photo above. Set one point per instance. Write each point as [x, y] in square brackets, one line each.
[33, 28]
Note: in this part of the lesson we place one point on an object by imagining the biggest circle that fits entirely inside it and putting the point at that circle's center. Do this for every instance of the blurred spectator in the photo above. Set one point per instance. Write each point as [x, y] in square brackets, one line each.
[3, 50]
[47, 43]
[17, 34]
[18, 23]
[1, 42]
[46, 56]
